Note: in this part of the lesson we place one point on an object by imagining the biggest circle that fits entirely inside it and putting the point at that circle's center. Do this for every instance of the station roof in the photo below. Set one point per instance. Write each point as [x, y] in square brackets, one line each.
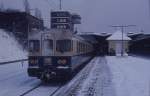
[103, 34]
[94, 38]
[118, 36]
[142, 37]
[89, 38]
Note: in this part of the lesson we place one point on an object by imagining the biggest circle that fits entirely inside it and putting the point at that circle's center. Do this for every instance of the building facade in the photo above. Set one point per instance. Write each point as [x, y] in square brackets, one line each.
[20, 23]
[64, 20]
[118, 44]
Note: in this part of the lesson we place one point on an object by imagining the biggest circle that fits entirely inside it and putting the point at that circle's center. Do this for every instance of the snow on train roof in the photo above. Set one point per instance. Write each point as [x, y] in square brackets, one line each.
[118, 36]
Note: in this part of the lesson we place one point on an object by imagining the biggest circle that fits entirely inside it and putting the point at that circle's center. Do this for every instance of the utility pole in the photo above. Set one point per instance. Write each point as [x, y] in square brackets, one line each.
[1, 6]
[149, 7]
[27, 6]
[38, 13]
[60, 6]
[122, 30]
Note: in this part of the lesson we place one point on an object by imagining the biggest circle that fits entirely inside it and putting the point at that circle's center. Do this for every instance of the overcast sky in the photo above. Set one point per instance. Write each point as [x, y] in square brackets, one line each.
[97, 15]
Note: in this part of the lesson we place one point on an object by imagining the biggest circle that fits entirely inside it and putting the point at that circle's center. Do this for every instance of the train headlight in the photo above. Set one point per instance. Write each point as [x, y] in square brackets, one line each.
[47, 61]
[33, 61]
[62, 61]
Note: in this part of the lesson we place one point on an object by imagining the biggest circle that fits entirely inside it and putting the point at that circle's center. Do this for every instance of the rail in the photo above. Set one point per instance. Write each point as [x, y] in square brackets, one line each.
[14, 61]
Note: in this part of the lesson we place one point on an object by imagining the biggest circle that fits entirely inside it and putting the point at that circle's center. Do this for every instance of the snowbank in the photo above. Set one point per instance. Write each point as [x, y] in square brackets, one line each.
[131, 75]
[9, 48]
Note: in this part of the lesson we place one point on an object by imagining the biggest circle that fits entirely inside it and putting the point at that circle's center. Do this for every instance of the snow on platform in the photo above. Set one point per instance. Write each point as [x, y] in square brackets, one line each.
[118, 76]
[131, 75]
[99, 81]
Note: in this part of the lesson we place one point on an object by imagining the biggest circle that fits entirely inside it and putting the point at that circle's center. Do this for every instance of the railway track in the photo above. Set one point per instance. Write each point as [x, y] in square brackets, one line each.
[30, 90]
[40, 90]
[52, 89]
[69, 89]
[53, 93]
[75, 84]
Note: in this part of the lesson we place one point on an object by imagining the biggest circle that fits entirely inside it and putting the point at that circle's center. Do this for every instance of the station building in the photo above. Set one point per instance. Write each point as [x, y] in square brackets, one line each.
[118, 44]
[19, 23]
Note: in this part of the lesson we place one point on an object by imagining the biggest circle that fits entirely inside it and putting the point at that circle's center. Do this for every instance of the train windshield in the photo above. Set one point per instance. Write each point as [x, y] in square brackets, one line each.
[34, 45]
[63, 46]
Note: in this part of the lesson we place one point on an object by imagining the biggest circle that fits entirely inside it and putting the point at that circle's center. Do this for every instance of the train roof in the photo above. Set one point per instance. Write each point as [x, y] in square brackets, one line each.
[55, 33]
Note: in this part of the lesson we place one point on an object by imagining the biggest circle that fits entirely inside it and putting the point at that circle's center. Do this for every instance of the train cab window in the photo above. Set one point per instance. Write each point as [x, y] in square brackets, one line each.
[63, 45]
[71, 45]
[84, 50]
[34, 45]
[80, 47]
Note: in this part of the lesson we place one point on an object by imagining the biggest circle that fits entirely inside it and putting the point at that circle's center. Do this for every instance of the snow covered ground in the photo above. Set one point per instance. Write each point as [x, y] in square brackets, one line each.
[99, 81]
[118, 76]
[131, 75]
[14, 79]
[108, 76]
[9, 48]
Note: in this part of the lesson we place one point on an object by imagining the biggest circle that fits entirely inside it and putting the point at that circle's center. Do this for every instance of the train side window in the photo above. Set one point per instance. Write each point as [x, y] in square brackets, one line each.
[34, 45]
[72, 45]
[86, 48]
[82, 47]
[63, 45]
[78, 47]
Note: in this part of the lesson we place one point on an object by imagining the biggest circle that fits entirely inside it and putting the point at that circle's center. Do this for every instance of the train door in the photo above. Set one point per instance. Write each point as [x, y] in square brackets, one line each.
[47, 47]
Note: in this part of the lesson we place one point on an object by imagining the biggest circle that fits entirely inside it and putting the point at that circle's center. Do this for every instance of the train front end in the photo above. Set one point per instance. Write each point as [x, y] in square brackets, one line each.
[49, 56]
[49, 67]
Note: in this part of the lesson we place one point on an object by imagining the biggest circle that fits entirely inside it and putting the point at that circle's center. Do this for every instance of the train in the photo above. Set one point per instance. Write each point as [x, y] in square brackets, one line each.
[57, 53]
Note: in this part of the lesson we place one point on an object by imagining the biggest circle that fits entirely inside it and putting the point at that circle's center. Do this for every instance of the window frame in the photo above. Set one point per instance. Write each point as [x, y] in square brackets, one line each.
[36, 46]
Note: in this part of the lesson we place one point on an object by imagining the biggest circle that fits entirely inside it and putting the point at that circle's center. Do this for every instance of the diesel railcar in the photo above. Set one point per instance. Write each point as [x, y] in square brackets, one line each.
[56, 53]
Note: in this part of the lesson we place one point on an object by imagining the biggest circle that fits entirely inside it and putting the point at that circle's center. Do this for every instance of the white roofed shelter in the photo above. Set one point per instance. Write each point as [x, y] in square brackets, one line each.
[118, 43]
